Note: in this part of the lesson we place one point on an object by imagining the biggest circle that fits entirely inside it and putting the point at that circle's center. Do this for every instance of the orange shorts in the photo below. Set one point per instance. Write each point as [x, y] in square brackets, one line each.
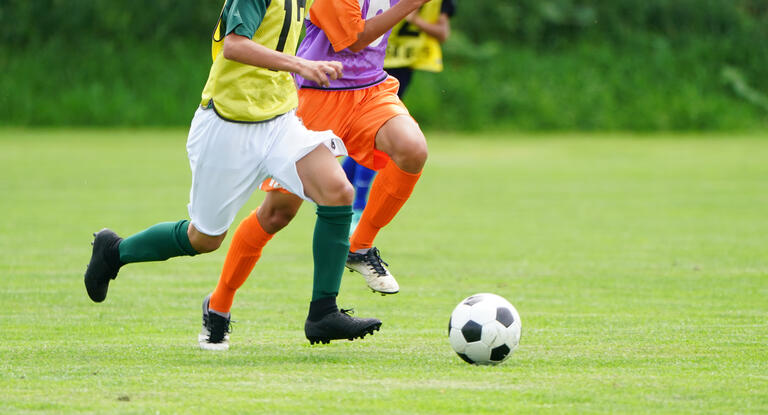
[354, 115]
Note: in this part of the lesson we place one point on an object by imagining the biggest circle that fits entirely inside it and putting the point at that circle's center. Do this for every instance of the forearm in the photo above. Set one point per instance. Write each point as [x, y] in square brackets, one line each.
[378, 25]
[440, 30]
[241, 49]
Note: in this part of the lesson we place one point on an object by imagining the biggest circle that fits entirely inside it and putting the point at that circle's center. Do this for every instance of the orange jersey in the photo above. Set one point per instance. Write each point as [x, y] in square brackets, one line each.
[340, 20]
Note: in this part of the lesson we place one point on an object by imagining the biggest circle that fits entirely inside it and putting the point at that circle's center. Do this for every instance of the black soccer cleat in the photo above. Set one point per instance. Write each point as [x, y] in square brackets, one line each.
[339, 325]
[104, 265]
[216, 328]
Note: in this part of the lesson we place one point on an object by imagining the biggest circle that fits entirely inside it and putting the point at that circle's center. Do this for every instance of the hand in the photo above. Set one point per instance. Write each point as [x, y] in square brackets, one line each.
[412, 16]
[320, 72]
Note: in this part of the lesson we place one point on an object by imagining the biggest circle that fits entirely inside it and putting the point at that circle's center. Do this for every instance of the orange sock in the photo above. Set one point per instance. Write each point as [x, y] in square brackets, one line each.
[244, 252]
[390, 189]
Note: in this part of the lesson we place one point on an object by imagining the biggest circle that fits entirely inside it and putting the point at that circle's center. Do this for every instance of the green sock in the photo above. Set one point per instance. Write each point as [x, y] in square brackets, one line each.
[157, 243]
[330, 246]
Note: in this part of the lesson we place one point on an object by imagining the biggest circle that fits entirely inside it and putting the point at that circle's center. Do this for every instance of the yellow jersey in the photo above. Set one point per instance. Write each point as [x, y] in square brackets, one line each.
[245, 93]
[410, 47]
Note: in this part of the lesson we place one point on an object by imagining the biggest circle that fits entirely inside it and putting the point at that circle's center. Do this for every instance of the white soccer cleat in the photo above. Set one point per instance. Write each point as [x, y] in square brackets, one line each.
[205, 343]
[372, 267]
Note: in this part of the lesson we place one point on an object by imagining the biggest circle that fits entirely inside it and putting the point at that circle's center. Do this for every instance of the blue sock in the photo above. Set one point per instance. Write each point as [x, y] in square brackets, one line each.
[349, 165]
[363, 178]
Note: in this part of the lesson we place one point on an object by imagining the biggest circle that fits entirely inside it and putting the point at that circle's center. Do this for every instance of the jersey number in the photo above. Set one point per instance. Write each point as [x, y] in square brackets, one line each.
[288, 20]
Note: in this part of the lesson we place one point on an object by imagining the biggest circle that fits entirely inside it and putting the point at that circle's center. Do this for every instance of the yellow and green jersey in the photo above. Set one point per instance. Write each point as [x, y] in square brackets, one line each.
[246, 93]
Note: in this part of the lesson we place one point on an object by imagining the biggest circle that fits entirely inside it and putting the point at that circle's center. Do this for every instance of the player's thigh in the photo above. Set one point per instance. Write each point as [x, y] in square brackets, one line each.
[403, 141]
[225, 160]
[323, 178]
[380, 105]
[303, 161]
[400, 134]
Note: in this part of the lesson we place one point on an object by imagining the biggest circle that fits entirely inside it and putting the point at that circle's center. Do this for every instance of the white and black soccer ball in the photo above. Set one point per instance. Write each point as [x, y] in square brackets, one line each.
[484, 329]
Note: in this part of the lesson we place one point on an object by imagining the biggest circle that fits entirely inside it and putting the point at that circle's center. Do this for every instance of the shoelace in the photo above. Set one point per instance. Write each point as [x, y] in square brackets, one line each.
[374, 261]
[227, 329]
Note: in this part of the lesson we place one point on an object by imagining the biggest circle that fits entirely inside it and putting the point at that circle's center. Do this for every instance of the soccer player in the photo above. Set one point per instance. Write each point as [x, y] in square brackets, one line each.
[244, 131]
[414, 44]
[363, 109]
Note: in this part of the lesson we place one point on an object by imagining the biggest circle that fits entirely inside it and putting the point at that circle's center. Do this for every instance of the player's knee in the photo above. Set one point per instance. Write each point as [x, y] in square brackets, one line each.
[412, 156]
[419, 153]
[346, 193]
[206, 243]
[277, 219]
[339, 193]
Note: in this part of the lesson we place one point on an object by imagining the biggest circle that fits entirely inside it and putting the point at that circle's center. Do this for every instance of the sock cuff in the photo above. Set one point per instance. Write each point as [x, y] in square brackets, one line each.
[397, 182]
[255, 236]
[335, 214]
[182, 238]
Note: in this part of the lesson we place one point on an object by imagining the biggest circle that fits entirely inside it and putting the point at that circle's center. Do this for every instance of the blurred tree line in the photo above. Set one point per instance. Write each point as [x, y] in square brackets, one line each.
[526, 64]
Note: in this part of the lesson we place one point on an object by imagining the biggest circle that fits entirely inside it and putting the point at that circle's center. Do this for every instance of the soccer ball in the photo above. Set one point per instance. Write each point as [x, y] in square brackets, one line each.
[484, 329]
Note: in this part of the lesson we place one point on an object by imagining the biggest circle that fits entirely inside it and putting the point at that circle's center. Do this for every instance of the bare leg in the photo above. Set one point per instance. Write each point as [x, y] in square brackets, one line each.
[323, 178]
[204, 243]
[402, 139]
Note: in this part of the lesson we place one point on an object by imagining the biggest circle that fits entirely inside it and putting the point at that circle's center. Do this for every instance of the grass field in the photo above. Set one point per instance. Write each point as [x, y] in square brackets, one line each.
[639, 266]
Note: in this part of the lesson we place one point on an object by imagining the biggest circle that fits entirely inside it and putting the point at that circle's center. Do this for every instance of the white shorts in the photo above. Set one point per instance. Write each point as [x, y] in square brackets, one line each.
[229, 160]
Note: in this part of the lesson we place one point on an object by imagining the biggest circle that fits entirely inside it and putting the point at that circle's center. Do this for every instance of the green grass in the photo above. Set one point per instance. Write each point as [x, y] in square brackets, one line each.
[639, 265]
